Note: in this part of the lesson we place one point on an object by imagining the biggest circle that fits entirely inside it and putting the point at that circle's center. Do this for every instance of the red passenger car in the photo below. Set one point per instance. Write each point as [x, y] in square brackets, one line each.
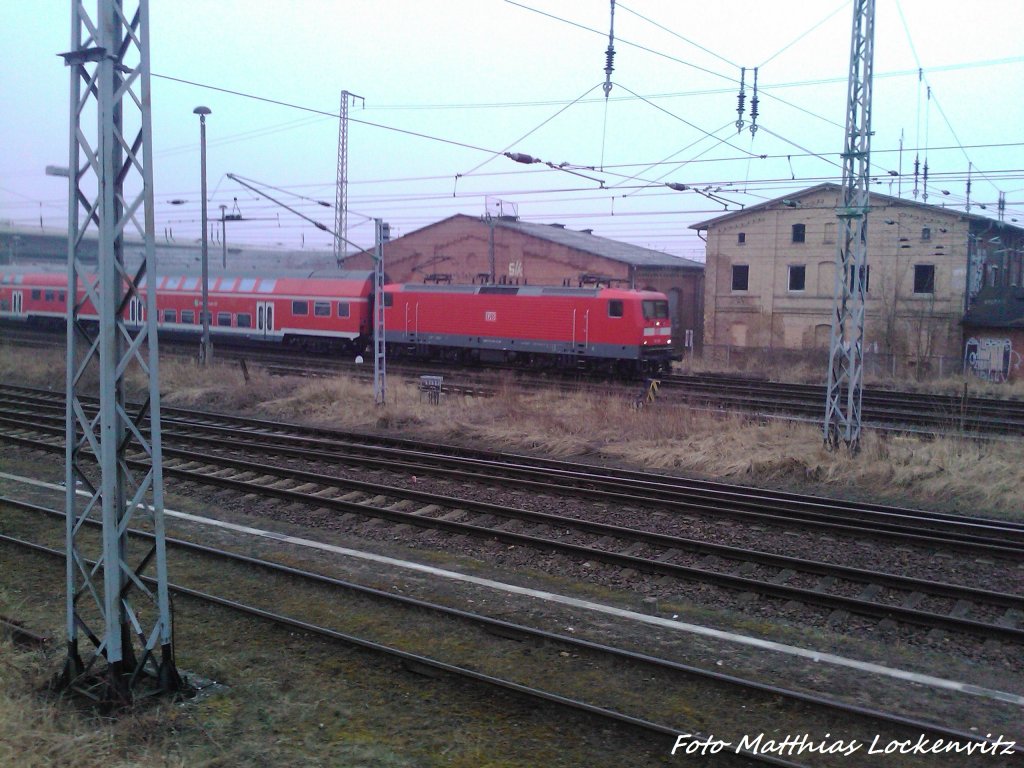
[602, 329]
[329, 311]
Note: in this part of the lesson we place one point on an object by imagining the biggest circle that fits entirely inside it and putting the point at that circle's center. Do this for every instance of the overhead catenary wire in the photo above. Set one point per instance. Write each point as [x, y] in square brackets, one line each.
[675, 59]
[921, 74]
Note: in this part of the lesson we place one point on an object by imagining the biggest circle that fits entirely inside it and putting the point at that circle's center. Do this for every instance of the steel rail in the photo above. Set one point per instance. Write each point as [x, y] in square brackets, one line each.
[645, 564]
[883, 408]
[685, 495]
[426, 661]
[504, 628]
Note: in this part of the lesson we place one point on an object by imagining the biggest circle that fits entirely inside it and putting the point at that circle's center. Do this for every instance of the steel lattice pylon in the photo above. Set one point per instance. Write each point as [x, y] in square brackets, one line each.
[113, 465]
[380, 387]
[341, 196]
[846, 353]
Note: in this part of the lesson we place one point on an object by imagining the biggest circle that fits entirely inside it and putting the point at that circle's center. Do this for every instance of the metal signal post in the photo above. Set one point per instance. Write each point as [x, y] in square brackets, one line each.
[110, 183]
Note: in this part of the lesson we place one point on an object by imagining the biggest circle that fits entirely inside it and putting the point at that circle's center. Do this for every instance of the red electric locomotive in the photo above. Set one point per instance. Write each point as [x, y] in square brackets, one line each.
[600, 329]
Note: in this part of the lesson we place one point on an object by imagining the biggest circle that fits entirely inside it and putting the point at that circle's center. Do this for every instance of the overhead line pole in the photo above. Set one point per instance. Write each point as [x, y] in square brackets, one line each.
[341, 197]
[111, 326]
[846, 342]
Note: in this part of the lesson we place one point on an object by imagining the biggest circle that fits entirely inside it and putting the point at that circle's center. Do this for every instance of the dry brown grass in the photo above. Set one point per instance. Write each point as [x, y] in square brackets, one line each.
[37, 729]
[977, 478]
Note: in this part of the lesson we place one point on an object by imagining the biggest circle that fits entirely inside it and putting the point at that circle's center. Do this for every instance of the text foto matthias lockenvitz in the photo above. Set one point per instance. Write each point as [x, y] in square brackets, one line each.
[793, 745]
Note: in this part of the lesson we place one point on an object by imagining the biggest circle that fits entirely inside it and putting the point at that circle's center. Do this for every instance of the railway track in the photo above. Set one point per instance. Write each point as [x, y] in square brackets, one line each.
[891, 410]
[880, 407]
[769, 704]
[230, 453]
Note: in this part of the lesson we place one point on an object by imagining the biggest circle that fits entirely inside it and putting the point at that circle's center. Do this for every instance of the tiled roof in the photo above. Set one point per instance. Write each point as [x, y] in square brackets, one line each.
[876, 197]
[586, 241]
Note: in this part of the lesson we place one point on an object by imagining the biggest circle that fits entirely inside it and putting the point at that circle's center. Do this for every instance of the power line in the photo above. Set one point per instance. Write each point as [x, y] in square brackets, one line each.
[322, 112]
[676, 34]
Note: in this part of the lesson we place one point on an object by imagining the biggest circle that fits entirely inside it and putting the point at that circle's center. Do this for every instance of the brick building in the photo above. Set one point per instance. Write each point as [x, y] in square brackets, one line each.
[504, 250]
[770, 274]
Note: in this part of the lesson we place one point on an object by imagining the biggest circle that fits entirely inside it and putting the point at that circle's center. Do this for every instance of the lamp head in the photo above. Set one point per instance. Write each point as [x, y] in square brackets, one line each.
[204, 111]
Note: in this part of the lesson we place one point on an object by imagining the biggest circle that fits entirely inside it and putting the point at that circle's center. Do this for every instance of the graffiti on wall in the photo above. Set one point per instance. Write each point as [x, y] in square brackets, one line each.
[991, 359]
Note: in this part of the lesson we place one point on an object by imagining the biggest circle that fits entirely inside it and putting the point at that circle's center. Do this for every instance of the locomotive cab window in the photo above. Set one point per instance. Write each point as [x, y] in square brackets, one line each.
[322, 308]
[615, 308]
[300, 307]
[343, 309]
[655, 310]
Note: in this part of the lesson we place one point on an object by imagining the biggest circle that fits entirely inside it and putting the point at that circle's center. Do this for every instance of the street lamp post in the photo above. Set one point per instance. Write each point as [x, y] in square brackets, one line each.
[206, 349]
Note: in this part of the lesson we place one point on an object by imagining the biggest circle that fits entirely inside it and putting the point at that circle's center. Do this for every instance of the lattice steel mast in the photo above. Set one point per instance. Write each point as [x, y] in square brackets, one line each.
[846, 369]
[341, 197]
[127, 620]
[382, 234]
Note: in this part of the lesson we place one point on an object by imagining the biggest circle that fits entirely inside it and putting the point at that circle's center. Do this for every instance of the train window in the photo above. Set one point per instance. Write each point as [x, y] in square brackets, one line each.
[247, 284]
[266, 286]
[48, 295]
[615, 308]
[190, 283]
[61, 296]
[244, 320]
[228, 283]
[36, 293]
[343, 310]
[224, 319]
[5, 305]
[188, 316]
[300, 307]
[170, 315]
[389, 300]
[654, 310]
[322, 308]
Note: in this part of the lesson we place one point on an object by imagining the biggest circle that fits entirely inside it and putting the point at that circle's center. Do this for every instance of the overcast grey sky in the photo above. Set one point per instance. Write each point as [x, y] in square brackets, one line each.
[485, 73]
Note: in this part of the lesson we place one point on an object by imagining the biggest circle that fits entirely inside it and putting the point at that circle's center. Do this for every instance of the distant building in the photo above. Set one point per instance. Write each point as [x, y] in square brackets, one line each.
[770, 274]
[504, 250]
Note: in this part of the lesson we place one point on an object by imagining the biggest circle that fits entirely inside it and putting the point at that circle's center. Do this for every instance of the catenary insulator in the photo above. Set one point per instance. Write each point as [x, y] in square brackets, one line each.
[741, 99]
[519, 157]
[754, 105]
